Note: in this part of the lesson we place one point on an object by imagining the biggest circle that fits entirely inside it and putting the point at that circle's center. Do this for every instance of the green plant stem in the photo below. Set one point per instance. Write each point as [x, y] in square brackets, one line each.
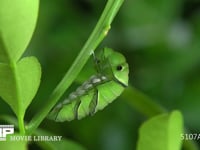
[20, 114]
[21, 125]
[149, 108]
[95, 38]
[142, 103]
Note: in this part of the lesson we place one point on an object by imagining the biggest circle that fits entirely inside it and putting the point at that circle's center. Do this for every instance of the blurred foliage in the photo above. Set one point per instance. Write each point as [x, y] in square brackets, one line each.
[161, 40]
[169, 127]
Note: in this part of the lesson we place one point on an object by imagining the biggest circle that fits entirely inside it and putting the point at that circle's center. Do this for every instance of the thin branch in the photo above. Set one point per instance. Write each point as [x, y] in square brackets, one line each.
[98, 34]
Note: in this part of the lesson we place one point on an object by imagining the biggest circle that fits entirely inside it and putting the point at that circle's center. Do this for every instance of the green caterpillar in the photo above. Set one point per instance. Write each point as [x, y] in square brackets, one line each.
[97, 92]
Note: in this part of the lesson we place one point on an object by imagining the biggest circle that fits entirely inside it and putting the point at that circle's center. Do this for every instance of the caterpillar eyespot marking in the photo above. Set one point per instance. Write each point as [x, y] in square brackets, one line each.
[119, 67]
[98, 91]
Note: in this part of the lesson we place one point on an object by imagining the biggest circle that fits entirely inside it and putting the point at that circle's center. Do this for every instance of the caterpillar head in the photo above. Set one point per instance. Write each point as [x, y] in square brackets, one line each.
[116, 65]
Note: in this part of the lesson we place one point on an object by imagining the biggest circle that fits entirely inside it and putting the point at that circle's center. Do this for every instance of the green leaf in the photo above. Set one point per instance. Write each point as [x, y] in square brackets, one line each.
[162, 132]
[19, 83]
[17, 23]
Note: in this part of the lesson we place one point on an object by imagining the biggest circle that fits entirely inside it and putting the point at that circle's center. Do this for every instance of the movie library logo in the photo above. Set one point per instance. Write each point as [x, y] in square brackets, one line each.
[5, 130]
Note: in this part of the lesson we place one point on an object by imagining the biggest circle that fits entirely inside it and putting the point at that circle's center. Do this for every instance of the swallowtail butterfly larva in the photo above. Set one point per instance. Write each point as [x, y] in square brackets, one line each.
[98, 91]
